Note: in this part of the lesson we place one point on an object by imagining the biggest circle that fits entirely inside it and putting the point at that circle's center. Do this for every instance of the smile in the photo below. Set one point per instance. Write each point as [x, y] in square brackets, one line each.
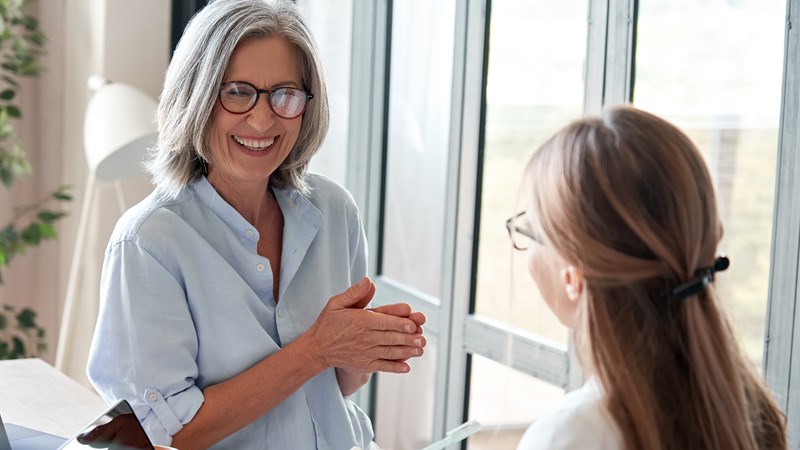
[256, 145]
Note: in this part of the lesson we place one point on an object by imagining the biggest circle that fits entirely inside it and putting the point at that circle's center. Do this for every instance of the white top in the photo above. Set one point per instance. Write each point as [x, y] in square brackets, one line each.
[579, 422]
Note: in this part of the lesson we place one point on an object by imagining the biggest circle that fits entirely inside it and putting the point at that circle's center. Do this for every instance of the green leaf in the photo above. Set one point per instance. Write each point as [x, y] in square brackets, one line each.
[10, 80]
[3, 350]
[62, 196]
[32, 234]
[8, 94]
[48, 230]
[26, 319]
[30, 69]
[10, 66]
[19, 348]
[13, 111]
[50, 216]
[3, 322]
[6, 176]
[9, 233]
[38, 38]
[30, 23]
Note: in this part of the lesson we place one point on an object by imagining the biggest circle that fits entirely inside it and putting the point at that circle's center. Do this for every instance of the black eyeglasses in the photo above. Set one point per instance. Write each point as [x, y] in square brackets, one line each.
[239, 97]
[520, 232]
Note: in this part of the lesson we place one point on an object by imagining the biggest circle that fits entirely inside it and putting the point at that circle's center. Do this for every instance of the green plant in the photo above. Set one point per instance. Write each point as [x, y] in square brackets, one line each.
[22, 337]
[21, 45]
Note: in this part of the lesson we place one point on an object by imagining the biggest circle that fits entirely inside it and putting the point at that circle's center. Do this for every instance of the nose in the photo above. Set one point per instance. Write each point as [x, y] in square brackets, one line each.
[261, 116]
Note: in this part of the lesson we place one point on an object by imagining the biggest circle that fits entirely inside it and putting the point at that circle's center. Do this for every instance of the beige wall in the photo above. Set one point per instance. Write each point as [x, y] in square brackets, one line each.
[124, 41]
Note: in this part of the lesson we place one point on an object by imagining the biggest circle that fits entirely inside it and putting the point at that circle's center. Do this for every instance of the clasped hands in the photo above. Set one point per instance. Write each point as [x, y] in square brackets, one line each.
[382, 339]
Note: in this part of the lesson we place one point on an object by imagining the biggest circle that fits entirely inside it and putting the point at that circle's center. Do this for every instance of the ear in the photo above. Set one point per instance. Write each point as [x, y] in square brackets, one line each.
[572, 277]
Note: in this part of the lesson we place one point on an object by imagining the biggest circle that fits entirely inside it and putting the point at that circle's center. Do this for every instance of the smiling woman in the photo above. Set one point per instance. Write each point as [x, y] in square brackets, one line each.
[233, 298]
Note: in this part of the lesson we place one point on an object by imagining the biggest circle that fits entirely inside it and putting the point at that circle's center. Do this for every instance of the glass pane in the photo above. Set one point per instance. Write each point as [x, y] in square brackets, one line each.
[404, 403]
[534, 87]
[420, 85]
[331, 24]
[719, 79]
[505, 402]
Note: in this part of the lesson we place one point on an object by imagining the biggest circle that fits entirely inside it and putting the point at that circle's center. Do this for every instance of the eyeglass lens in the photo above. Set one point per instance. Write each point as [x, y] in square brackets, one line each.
[286, 102]
[520, 232]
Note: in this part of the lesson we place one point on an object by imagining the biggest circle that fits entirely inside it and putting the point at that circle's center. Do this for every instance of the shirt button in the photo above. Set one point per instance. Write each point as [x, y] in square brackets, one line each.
[280, 312]
[152, 397]
[260, 267]
[249, 233]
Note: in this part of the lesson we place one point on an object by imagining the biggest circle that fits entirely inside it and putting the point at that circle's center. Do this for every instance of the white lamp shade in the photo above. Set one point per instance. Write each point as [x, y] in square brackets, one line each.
[118, 128]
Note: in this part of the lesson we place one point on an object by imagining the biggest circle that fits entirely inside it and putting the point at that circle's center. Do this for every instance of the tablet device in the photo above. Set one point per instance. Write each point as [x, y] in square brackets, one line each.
[15, 437]
[118, 429]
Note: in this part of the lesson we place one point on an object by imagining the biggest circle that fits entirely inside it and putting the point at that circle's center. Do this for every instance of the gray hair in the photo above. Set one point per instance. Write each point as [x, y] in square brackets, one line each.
[192, 85]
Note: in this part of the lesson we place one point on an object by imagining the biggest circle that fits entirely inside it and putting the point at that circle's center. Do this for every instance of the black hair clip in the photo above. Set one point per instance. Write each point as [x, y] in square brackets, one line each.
[701, 279]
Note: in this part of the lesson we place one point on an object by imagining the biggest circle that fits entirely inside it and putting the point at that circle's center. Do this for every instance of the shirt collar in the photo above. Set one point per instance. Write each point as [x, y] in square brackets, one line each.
[301, 219]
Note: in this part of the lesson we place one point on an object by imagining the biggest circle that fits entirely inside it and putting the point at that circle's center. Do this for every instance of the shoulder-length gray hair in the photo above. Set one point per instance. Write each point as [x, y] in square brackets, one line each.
[192, 84]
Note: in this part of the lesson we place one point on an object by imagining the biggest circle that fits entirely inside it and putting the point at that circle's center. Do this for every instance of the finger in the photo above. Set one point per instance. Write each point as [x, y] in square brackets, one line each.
[380, 365]
[386, 322]
[357, 294]
[418, 318]
[397, 352]
[398, 338]
[397, 309]
[366, 298]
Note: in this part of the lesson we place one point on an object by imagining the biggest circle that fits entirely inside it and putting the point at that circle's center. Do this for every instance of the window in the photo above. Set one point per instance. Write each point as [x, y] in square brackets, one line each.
[534, 86]
[182, 11]
[719, 79]
[453, 98]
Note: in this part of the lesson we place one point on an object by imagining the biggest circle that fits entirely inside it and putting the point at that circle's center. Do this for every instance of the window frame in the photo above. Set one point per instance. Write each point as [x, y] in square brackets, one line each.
[781, 362]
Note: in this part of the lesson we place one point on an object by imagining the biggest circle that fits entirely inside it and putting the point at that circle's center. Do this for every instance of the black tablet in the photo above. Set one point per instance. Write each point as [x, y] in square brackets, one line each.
[117, 429]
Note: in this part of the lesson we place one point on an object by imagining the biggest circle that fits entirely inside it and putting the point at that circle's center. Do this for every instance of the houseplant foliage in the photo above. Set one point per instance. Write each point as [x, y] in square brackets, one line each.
[21, 45]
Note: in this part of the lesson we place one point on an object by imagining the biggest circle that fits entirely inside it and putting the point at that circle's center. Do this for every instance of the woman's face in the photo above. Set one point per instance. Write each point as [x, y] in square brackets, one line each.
[548, 271]
[247, 148]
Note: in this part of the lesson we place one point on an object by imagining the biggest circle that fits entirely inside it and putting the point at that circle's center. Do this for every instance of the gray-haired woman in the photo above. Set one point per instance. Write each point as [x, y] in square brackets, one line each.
[221, 321]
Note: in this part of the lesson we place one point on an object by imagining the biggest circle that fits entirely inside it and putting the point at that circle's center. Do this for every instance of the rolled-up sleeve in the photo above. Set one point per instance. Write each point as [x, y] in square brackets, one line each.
[145, 346]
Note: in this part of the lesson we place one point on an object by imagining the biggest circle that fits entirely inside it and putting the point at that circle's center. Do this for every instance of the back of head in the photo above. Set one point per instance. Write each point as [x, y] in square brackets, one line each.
[194, 76]
[627, 198]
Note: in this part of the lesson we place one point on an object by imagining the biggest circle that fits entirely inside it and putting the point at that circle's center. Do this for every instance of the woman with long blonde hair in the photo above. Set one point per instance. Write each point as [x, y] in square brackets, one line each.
[622, 232]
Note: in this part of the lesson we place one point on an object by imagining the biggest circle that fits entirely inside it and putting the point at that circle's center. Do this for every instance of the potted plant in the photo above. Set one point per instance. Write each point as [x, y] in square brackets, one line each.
[21, 45]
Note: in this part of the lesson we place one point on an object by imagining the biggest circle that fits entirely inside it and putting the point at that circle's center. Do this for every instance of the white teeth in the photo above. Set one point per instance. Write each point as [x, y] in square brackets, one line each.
[254, 144]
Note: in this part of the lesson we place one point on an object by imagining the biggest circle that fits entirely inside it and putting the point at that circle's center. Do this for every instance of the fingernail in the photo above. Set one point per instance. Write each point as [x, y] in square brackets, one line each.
[417, 351]
[407, 328]
[418, 342]
[362, 285]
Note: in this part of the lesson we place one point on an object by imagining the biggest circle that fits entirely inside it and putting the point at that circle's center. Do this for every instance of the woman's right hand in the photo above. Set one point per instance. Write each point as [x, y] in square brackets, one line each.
[347, 336]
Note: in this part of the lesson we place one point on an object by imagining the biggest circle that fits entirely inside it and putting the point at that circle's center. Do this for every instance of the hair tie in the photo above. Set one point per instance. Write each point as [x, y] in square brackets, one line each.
[700, 280]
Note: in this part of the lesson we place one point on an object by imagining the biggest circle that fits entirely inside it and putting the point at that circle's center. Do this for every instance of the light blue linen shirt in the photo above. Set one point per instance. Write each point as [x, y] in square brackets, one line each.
[186, 303]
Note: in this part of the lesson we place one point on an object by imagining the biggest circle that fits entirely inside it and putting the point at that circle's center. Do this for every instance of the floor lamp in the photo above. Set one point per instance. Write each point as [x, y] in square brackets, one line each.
[119, 126]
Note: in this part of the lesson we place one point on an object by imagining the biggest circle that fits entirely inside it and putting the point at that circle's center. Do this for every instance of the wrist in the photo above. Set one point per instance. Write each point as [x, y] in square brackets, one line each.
[312, 352]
